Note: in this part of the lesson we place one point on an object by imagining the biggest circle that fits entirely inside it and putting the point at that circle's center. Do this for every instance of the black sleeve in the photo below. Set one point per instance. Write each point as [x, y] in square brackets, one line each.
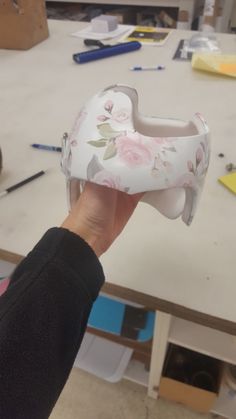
[43, 316]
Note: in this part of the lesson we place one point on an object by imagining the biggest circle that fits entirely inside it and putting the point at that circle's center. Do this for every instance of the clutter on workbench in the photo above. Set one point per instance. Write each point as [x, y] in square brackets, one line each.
[200, 42]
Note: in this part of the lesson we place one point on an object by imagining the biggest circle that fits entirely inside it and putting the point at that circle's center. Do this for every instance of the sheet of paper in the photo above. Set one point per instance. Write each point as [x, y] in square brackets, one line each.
[148, 35]
[87, 33]
[229, 181]
[215, 63]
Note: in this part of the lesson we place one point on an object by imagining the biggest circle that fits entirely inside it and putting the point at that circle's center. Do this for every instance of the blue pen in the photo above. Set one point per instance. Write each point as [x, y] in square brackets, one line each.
[141, 68]
[96, 54]
[46, 147]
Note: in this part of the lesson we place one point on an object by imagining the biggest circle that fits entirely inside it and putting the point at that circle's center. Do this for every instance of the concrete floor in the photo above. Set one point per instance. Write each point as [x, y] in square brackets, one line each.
[87, 397]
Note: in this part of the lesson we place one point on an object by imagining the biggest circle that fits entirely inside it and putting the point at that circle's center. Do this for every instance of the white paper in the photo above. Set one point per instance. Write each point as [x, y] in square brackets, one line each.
[87, 33]
[209, 8]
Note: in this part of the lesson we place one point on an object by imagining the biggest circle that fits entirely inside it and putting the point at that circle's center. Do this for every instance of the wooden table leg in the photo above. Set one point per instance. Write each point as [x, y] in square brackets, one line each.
[159, 346]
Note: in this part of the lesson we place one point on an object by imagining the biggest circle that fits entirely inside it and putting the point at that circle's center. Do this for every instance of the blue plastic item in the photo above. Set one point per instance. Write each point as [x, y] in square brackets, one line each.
[108, 315]
[97, 54]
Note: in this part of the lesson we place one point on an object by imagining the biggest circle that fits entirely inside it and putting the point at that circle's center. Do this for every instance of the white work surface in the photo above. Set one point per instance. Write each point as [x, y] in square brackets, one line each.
[186, 271]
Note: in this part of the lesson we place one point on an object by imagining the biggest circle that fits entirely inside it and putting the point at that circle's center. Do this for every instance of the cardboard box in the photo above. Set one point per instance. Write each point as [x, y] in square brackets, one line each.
[22, 24]
[193, 397]
[190, 378]
[167, 20]
[183, 16]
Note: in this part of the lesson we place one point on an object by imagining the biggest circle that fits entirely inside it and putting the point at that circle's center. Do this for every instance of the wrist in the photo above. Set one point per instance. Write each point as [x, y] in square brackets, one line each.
[92, 240]
[86, 234]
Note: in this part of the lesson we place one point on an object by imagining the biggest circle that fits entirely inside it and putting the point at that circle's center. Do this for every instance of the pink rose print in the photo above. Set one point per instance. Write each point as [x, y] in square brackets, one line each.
[187, 180]
[102, 118]
[160, 165]
[163, 140]
[201, 162]
[122, 115]
[134, 150]
[199, 156]
[105, 178]
[108, 106]
[74, 143]
[190, 166]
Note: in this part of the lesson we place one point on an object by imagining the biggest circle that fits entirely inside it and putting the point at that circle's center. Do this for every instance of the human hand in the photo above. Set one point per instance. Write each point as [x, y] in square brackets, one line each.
[100, 214]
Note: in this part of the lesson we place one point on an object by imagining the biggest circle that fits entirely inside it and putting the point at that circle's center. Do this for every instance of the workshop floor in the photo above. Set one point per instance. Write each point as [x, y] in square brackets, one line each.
[87, 397]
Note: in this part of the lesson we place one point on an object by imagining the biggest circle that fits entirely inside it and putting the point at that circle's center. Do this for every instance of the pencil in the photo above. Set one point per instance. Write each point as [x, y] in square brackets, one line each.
[22, 183]
[46, 147]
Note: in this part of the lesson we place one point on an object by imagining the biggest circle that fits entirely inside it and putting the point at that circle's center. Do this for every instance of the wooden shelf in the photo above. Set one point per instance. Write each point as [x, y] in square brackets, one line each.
[187, 6]
[203, 339]
[144, 3]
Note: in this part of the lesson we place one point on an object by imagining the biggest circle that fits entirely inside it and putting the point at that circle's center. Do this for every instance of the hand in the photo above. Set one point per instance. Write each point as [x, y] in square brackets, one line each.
[100, 214]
